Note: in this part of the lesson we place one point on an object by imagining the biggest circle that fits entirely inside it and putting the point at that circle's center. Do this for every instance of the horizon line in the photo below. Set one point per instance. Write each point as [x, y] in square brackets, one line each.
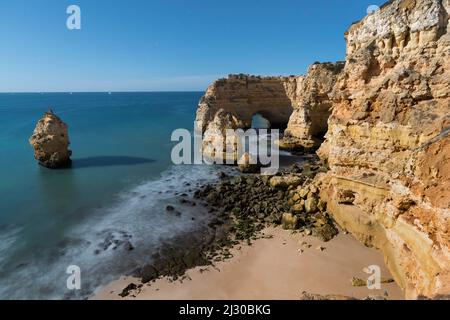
[107, 92]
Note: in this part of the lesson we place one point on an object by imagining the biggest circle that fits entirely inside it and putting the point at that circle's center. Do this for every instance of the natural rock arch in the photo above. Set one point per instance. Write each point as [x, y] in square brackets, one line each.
[260, 121]
[243, 96]
[299, 104]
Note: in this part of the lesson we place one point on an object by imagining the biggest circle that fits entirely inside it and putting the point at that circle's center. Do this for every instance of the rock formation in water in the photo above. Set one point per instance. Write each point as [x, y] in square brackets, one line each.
[388, 143]
[243, 96]
[231, 104]
[50, 141]
[217, 145]
[300, 103]
[388, 137]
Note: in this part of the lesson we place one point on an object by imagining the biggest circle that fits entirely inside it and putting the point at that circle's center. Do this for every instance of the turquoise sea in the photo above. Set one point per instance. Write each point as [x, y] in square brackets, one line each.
[114, 195]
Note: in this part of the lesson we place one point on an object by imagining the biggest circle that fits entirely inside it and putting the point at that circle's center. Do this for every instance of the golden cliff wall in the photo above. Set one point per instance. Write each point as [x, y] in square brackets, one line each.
[388, 138]
[388, 141]
[308, 122]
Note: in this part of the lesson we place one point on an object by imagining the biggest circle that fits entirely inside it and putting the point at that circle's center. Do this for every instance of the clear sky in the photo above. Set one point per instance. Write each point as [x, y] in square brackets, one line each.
[159, 45]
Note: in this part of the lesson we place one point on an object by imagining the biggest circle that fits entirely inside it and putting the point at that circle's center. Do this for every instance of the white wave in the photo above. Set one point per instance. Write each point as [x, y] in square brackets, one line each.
[137, 216]
[8, 237]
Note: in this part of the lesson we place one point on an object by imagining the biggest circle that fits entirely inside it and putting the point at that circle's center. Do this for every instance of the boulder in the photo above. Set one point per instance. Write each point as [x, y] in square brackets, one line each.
[286, 181]
[298, 208]
[50, 141]
[248, 164]
[303, 192]
[311, 204]
[289, 221]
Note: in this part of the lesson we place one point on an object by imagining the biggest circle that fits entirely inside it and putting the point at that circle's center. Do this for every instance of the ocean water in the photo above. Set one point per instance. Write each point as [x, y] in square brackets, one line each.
[114, 195]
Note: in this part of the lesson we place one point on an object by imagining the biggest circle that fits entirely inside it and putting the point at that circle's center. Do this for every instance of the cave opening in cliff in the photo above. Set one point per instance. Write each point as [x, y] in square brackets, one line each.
[319, 122]
[260, 122]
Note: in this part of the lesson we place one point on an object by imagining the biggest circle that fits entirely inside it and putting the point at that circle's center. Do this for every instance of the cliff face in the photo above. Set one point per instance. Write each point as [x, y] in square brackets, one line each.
[231, 103]
[300, 103]
[312, 106]
[50, 141]
[388, 138]
[388, 141]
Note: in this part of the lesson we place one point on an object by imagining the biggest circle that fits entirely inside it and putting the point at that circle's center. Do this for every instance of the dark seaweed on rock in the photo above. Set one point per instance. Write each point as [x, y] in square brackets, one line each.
[252, 202]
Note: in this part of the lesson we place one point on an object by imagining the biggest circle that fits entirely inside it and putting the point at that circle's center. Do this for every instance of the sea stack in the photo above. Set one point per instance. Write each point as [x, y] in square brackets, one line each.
[50, 141]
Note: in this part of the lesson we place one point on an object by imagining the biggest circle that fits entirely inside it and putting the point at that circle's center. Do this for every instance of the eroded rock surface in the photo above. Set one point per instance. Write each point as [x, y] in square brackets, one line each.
[388, 141]
[243, 96]
[50, 141]
[218, 144]
[231, 104]
[309, 121]
[388, 146]
[300, 103]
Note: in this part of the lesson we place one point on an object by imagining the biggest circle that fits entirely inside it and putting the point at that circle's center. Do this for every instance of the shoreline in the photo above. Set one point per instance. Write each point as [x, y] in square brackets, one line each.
[228, 202]
[280, 265]
[247, 212]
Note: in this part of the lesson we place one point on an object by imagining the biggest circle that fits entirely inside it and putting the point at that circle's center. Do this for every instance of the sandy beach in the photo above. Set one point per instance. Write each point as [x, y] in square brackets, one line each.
[280, 266]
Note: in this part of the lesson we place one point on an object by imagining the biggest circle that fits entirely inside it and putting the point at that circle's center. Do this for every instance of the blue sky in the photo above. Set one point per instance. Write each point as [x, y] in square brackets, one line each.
[159, 45]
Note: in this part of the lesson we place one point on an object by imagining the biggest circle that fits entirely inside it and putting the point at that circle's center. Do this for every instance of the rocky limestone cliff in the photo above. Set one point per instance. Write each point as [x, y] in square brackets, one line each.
[50, 141]
[300, 103]
[388, 141]
[216, 145]
[231, 103]
[243, 96]
[312, 108]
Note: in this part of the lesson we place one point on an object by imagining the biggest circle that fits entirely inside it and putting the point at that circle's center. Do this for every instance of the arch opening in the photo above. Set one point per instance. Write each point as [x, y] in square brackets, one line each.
[260, 122]
[319, 122]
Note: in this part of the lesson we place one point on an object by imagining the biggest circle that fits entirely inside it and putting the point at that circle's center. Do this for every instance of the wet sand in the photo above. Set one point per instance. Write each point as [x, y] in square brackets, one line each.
[272, 268]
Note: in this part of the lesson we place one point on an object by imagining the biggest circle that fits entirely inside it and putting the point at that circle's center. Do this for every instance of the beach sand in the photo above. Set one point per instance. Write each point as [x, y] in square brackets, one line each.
[271, 268]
